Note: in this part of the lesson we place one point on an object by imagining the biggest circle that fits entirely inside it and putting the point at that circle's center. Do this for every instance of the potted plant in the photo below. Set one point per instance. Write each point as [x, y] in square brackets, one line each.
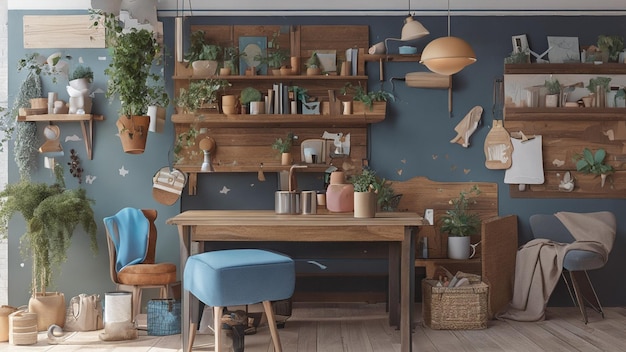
[203, 56]
[367, 101]
[200, 94]
[52, 214]
[599, 87]
[459, 224]
[313, 65]
[247, 96]
[81, 77]
[231, 59]
[553, 87]
[611, 46]
[133, 53]
[274, 58]
[364, 195]
[283, 146]
[588, 162]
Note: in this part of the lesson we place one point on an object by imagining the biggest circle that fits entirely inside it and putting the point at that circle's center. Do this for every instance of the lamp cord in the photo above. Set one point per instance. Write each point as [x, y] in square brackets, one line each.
[448, 18]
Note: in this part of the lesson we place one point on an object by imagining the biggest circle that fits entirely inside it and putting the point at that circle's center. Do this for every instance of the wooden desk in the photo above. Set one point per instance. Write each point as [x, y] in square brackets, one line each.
[263, 225]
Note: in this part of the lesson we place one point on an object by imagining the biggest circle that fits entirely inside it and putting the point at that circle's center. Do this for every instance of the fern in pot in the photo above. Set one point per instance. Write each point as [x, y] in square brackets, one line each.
[52, 214]
[459, 223]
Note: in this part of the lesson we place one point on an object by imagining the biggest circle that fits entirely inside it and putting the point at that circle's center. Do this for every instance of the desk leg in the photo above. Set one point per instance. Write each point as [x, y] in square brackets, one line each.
[184, 233]
[393, 290]
[407, 289]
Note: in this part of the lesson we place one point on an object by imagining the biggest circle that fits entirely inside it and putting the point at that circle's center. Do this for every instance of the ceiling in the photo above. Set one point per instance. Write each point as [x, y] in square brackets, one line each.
[354, 7]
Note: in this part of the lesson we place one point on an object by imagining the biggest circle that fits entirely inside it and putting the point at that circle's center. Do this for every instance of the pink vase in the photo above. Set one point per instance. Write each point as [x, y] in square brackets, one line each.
[339, 194]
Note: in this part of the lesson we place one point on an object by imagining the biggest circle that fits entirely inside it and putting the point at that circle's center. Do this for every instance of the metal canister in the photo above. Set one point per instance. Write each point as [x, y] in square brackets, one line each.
[309, 202]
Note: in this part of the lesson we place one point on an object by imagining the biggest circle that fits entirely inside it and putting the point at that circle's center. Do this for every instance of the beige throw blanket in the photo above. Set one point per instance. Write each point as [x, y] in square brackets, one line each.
[539, 263]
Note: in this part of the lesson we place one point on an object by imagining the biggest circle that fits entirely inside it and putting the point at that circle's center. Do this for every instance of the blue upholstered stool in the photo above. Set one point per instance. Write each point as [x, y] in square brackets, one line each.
[239, 277]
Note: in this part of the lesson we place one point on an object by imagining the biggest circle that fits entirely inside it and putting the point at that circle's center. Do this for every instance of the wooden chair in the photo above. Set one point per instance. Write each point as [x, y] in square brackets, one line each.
[145, 274]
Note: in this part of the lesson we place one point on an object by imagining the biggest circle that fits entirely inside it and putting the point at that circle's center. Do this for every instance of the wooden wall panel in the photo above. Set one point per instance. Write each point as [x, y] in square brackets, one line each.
[62, 31]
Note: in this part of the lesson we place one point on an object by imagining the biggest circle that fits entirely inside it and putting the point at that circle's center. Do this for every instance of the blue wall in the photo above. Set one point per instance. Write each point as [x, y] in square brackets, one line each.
[412, 141]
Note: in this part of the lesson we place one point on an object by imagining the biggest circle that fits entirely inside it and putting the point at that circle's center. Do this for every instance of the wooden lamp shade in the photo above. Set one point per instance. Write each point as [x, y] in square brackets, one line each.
[447, 55]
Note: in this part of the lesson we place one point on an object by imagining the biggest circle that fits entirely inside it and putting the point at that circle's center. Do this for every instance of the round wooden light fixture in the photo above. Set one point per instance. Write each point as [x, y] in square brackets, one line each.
[447, 55]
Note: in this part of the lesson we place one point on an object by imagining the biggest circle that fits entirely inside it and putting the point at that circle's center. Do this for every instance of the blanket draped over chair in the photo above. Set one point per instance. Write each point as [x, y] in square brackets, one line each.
[539, 263]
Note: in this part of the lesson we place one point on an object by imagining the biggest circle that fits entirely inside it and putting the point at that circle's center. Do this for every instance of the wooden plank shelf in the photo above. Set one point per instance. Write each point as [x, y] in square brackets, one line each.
[393, 57]
[85, 120]
[569, 69]
[564, 114]
[275, 78]
[276, 120]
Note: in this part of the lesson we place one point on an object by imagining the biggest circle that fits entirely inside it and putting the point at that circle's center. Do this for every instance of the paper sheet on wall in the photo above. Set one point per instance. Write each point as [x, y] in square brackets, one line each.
[527, 162]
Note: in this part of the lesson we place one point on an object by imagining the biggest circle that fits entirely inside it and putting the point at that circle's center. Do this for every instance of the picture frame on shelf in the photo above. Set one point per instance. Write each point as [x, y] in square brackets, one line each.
[520, 43]
[252, 47]
[563, 49]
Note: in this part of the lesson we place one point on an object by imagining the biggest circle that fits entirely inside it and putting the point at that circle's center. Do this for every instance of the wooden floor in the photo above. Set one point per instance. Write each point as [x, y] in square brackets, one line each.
[364, 328]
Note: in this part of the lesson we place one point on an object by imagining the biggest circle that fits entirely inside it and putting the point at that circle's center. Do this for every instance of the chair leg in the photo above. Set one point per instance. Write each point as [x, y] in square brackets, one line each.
[271, 321]
[192, 337]
[217, 327]
[584, 289]
[136, 309]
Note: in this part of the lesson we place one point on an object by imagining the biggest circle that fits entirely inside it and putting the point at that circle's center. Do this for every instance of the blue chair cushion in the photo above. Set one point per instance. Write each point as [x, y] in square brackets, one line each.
[577, 260]
[239, 276]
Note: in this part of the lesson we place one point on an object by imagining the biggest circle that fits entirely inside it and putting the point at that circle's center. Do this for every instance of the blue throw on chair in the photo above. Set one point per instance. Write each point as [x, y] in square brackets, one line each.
[239, 277]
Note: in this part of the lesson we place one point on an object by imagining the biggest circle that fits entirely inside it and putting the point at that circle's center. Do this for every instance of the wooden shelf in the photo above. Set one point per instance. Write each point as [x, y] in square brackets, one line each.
[274, 78]
[393, 57]
[275, 120]
[564, 114]
[85, 120]
[569, 69]
[267, 167]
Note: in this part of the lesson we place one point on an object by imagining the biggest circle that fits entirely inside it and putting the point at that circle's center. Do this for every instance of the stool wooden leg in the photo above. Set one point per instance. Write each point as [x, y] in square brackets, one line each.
[192, 336]
[271, 321]
[217, 327]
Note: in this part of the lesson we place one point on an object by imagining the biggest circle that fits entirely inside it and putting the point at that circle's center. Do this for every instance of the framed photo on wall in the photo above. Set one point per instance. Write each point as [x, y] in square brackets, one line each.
[563, 49]
[520, 43]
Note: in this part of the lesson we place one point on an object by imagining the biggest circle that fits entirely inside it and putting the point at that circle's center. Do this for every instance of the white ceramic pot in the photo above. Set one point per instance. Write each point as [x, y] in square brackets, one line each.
[459, 247]
[552, 100]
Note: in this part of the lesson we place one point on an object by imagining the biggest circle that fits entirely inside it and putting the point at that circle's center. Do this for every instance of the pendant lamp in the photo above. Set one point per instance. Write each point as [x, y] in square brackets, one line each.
[447, 55]
[411, 31]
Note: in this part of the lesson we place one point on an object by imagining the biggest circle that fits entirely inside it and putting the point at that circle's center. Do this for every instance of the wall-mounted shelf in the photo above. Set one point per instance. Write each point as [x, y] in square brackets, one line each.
[271, 78]
[276, 120]
[569, 69]
[85, 120]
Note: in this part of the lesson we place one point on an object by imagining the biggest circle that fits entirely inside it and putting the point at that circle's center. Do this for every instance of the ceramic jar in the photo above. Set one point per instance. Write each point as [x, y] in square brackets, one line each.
[339, 194]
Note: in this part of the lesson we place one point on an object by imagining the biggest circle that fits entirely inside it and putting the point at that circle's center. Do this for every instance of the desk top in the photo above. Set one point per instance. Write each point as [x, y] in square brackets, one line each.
[270, 218]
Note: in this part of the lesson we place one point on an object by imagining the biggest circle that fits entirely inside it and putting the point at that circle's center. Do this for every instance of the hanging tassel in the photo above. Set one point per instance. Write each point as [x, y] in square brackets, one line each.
[260, 174]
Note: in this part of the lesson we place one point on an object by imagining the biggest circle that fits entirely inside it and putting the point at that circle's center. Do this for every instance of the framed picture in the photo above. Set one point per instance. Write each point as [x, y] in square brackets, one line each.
[520, 43]
[563, 49]
[252, 47]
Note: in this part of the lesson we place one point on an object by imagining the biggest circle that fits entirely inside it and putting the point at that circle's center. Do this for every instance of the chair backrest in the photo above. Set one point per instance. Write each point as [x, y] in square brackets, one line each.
[115, 226]
[550, 227]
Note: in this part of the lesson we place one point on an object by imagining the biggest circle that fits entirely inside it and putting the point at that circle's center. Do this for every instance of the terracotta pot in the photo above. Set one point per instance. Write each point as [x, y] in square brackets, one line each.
[285, 159]
[364, 204]
[225, 71]
[133, 133]
[313, 71]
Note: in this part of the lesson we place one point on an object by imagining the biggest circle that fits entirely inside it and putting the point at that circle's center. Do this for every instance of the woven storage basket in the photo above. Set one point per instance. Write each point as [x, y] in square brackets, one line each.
[454, 308]
[22, 328]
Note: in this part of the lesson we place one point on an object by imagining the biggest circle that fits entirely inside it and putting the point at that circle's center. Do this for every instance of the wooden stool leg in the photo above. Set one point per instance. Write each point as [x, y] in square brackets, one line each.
[217, 327]
[271, 321]
[192, 336]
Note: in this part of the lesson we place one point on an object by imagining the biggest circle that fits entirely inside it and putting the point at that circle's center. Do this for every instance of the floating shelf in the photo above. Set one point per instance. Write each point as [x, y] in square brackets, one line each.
[85, 120]
[276, 120]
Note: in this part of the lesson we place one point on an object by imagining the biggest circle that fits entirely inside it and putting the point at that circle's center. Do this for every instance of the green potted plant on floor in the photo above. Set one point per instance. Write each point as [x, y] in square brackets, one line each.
[459, 223]
[133, 53]
[588, 162]
[52, 214]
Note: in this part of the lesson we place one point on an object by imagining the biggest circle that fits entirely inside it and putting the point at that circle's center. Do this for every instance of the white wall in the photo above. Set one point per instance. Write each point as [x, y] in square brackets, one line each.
[355, 7]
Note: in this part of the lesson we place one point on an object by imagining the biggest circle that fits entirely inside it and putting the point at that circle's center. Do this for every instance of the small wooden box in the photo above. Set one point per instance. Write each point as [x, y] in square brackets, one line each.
[454, 308]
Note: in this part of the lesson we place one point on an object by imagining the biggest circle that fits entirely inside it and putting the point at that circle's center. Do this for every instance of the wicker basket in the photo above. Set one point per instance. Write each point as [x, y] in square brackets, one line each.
[22, 328]
[454, 308]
